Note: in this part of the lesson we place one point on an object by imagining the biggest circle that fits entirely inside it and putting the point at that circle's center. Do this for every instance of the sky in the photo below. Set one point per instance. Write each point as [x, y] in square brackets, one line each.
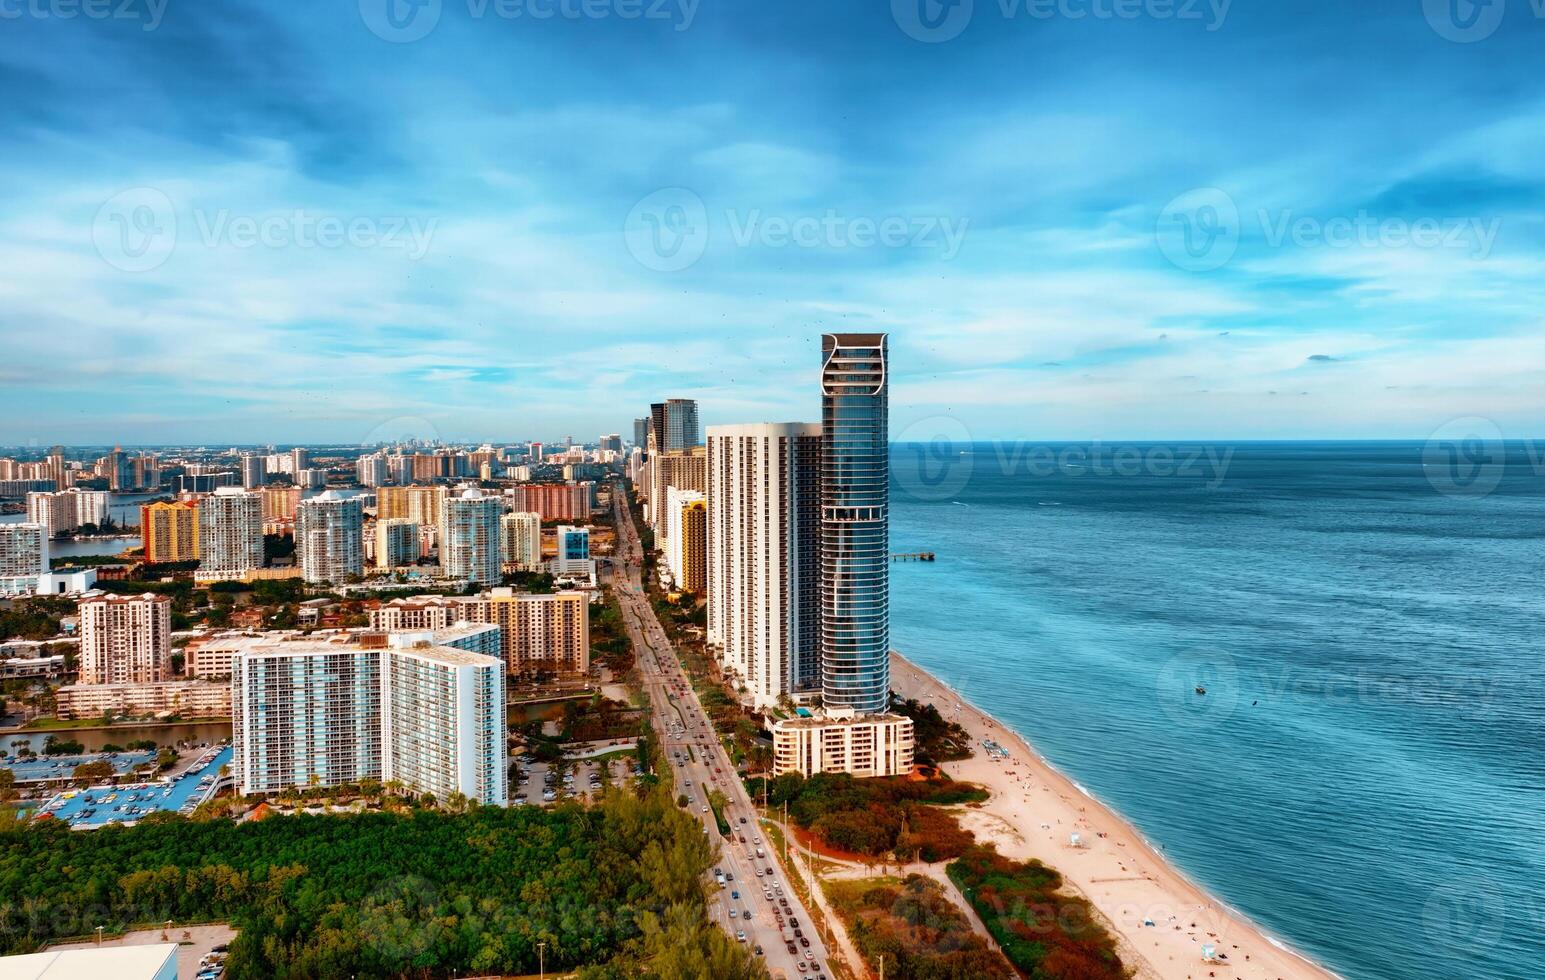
[498, 219]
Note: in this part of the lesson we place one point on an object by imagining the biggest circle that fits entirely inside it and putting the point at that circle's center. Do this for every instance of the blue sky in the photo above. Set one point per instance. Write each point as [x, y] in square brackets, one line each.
[227, 223]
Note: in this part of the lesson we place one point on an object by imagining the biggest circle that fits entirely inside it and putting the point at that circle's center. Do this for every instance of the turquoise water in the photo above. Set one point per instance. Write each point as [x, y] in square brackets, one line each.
[1365, 776]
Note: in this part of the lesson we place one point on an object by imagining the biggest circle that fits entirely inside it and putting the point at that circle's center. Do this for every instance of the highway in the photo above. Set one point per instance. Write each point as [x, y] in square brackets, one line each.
[701, 764]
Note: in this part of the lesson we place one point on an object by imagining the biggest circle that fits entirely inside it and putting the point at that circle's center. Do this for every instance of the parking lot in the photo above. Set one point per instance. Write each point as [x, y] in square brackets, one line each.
[542, 783]
[199, 955]
[99, 806]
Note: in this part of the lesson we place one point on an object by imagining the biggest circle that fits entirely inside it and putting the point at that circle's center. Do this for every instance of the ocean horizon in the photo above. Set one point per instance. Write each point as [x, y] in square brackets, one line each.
[1364, 776]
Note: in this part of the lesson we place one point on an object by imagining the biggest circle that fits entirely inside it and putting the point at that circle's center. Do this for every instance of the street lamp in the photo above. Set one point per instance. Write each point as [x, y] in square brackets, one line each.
[99, 935]
[541, 960]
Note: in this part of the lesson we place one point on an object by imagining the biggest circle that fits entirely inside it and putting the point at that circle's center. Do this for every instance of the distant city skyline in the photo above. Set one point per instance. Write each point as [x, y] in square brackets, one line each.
[542, 225]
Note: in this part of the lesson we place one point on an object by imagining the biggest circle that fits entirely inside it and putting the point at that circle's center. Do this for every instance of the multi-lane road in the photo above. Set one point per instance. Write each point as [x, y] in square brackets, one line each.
[756, 903]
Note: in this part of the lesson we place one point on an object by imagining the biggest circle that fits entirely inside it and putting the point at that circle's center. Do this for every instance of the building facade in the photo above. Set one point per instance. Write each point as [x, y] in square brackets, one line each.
[397, 542]
[443, 722]
[537, 632]
[684, 510]
[764, 556]
[169, 531]
[125, 639]
[230, 532]
[187, 699]
[861, 745]
[23, 558]
[470, 545]
[855, 541]
[421, 505]
[552, 501]
[329, 537]
[522, 541]
[339, 711]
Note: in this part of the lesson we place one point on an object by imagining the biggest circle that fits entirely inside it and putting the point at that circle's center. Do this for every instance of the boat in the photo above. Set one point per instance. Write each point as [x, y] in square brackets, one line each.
[1200, 689]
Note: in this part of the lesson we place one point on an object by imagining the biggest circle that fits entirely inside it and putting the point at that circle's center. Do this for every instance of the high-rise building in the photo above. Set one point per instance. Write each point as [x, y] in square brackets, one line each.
[338, 711]
[683, 510]
[548, 632]
[522, 540]
[421, 505]
[64, 511]
[371, 470]
[125, 639]
[469, 537]
[764, 555]
[443, 721]
[641, 434]
[230, 532]
[170, 531]
[855, 557]
[280, 503]
[397, 542]
[254, 470]
[147, 471]
[552, 501]
[572, 557]
[611, 443]
[23, 558]
[329, 536]
[682, 429]
[300, 459]
[684, 469]
[542, 632]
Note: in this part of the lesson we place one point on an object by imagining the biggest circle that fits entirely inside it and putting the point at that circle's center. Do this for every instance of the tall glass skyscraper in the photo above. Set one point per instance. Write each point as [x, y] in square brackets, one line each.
[855, 539]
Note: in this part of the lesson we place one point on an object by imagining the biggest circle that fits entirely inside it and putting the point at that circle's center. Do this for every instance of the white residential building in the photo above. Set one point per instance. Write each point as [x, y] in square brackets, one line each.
[329, 537]
[397, 542]
[371, 470]
[254, 471]
[125, 639]
[230, 532]
[23, 557]
[764, 556]
[469, 537]
[444, 721]
[861, 745]
[65, 510]
[339, 711]
[522, 540]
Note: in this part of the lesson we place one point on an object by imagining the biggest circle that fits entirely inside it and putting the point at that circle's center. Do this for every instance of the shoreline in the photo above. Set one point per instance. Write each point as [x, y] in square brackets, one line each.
[1158, 915]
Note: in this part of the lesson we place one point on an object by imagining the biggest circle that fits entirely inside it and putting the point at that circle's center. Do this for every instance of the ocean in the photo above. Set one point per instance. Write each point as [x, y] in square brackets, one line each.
[1365, 774]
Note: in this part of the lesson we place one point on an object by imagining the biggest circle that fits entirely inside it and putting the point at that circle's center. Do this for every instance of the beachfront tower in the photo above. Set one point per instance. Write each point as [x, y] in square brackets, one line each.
[855, 559]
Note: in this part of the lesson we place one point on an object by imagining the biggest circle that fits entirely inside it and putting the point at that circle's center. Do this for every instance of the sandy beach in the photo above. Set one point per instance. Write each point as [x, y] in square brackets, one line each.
[1161, 918]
